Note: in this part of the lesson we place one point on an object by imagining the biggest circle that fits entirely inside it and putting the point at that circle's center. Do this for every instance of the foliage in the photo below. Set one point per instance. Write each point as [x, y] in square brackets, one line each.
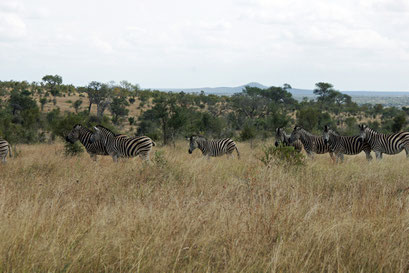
[285, 156]
[73, 149]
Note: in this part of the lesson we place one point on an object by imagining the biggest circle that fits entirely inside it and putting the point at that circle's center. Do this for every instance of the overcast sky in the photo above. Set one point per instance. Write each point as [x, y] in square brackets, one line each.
[355, 45]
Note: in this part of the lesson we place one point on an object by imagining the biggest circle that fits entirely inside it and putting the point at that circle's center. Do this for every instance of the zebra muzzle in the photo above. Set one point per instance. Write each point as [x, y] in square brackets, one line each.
[190, 151]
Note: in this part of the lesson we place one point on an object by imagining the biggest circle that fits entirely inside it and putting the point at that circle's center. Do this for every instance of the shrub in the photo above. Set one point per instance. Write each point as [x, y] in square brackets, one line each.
[73, 149]
[285, 156]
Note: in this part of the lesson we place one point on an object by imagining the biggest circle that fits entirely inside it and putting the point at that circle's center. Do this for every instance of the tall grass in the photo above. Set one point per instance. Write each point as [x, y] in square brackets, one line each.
[183, 213]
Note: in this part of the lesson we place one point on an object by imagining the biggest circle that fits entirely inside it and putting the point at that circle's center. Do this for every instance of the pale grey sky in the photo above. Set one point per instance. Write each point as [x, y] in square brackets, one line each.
[355, 45]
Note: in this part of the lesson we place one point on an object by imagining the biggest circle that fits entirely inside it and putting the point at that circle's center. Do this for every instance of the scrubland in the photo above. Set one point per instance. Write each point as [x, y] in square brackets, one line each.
[183, 213]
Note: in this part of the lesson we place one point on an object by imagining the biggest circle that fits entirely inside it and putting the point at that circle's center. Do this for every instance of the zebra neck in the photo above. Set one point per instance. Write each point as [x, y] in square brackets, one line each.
[84, 136]
[333, 139]
[203, 146]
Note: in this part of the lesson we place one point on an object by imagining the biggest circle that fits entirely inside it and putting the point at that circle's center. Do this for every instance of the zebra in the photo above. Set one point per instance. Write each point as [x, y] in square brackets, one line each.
[312, 143]
[283, 137]
[382, 143]
[213, 148]
[122, 146]
[83, 134]
[349, 145]
[5, 148]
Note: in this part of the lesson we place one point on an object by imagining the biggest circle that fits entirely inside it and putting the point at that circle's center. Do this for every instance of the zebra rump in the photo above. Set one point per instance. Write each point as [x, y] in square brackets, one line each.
[5, 148]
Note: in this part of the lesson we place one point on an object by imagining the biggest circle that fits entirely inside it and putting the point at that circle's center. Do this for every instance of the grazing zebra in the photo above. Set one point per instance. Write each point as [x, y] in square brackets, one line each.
[312, 143]
[5, 148]
[349, 145]
[122, 146]
[381, 143]
[213, 147]
[83, 134]
[283, 137]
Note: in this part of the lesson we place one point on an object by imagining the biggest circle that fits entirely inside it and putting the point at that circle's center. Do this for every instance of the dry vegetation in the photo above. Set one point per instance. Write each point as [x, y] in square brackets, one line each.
[183, 213]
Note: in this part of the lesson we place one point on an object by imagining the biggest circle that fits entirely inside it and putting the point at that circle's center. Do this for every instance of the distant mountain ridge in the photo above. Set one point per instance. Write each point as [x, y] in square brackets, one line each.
[297, 93]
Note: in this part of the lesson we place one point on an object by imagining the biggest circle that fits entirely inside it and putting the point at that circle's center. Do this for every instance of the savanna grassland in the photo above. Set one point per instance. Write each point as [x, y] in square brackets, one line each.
[183, 213]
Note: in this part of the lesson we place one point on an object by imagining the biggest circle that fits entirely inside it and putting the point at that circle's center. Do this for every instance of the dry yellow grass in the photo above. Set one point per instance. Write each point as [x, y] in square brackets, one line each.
[185, 213]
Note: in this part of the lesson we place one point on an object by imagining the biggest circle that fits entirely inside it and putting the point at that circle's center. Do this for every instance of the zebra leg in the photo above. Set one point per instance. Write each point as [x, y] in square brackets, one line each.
[369, 157]
[340, 158]
[407, 151]
[144, 156]
[3, 160]
[331, 154]
[93, 157]
[378, 155]
[115, 158]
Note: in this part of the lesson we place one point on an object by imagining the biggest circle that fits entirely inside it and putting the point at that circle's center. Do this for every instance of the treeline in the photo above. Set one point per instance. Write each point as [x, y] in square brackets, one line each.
[253, 113]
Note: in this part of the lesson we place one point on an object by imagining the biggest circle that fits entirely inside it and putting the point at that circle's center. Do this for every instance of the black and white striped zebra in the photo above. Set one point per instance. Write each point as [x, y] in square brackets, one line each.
[284, 138]
[214, 147]
[312, 144]
[5, 149]
[385, 143]
[349, 145]
[122, 146]
[83, 134]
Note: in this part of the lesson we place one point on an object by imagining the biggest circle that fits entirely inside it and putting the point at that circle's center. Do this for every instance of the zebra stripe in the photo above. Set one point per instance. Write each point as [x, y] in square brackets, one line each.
[122, 146]
[312, 143]
[83, 134]
[213, 147]
[283, 137]
[349, 145]
[381, 143]
[5, 148]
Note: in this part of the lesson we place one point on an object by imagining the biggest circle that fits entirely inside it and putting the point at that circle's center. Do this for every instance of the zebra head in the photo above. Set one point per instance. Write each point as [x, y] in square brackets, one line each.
[363, 131]
[74, 134]
[279, 137]
[193, 144]
[295, 135]
[325, 134]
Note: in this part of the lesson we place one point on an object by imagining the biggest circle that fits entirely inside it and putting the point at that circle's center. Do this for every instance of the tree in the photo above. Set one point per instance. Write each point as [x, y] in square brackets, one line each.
[398, 123]
[118, 108]
[99, 94]
[76, 104]
[53, 83]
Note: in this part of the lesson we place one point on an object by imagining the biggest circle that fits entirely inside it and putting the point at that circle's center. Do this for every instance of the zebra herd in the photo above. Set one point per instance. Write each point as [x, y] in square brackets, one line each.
[102, 141]
[332, 143]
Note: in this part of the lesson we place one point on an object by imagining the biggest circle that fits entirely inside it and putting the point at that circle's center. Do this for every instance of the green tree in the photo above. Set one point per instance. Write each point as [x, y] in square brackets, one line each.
[53, 83]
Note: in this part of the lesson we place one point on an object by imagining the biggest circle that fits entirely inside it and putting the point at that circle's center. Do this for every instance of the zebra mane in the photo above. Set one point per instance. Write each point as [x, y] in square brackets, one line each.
[305, 132]
[199, 136]
[82, 127]
[107, 130]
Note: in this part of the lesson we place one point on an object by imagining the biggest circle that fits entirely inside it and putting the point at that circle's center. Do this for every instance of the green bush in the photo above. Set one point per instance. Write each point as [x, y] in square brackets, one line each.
[73, 149]
[285, 156]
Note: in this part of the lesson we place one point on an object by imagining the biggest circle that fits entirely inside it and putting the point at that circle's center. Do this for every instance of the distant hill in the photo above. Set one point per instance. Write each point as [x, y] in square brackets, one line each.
[295, 91]
[228, 91]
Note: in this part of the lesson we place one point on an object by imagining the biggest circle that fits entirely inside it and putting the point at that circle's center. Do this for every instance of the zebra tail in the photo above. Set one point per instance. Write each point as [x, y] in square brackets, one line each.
[153, 143]
[10, 153]
[238, 154]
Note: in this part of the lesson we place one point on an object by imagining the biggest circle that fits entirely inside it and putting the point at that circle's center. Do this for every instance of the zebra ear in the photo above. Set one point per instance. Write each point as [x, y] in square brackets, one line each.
[96, 129]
